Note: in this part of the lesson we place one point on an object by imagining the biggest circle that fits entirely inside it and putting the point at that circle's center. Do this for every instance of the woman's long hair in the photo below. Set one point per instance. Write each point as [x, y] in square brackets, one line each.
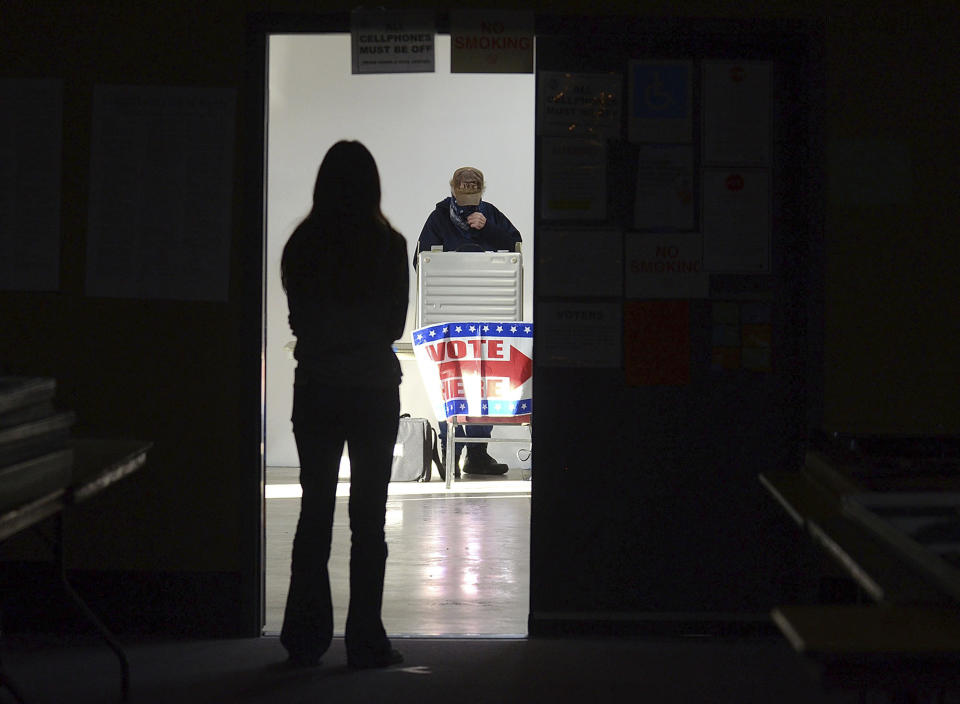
[339, 248]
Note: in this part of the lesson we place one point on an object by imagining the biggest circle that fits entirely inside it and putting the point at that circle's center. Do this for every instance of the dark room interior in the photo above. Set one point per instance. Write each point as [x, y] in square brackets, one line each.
[772, 519]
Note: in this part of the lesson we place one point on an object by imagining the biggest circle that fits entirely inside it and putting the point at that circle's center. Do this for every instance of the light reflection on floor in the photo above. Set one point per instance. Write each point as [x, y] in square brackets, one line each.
[430, 489]
[459, 559]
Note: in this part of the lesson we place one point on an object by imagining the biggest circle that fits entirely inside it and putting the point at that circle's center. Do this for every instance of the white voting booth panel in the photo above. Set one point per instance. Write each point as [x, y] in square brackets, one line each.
[464, 286]
[454, 286]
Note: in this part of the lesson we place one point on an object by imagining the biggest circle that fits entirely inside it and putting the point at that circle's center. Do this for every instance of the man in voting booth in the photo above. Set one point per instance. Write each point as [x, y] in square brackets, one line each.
[464, 222]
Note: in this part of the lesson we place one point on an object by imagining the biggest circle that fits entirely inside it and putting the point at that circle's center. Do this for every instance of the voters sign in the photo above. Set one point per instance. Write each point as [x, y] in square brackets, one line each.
[477, 368]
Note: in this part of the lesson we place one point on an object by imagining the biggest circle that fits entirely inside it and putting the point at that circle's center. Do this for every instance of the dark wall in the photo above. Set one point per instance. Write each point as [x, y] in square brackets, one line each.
[891, 340]
[646, 501]
[171, 372]
[186, 375]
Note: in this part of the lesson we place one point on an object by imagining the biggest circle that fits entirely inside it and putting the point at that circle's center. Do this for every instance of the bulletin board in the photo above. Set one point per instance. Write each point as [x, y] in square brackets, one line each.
[676, 159]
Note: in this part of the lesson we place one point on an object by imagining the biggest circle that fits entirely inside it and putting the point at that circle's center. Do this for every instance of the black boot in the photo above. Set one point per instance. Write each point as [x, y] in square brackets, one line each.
[479, 462]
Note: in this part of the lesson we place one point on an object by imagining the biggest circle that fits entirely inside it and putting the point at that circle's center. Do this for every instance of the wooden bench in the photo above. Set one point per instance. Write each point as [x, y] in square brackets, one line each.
[907, 643]
[883, 574]
[906, 651]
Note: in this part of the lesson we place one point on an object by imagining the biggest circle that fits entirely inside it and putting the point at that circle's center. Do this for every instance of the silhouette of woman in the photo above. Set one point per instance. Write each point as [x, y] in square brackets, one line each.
[344, 270]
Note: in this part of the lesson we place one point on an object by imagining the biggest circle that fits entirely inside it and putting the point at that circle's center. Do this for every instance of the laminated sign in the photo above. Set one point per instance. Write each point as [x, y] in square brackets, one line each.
[491, 41]
[477, 368]
[391, 41]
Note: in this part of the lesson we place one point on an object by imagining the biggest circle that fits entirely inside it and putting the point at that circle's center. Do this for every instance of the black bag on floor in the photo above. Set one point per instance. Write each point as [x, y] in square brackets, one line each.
[415, 451]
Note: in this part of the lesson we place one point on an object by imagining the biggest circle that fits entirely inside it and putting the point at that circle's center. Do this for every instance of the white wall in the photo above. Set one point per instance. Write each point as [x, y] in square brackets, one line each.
[419, 127]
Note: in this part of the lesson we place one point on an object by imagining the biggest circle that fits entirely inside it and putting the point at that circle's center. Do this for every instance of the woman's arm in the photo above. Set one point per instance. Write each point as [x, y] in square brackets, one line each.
[400, 294]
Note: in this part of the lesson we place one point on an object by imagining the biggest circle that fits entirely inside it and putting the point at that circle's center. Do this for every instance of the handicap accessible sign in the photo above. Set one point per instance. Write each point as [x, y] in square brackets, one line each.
[477, 368]
[660, 101]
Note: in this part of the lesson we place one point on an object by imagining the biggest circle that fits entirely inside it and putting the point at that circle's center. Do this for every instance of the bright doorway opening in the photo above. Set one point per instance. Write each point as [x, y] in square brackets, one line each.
[459, 559]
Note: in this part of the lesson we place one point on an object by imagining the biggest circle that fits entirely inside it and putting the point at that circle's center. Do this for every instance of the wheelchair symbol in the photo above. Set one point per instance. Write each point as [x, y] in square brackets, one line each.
[656, 97]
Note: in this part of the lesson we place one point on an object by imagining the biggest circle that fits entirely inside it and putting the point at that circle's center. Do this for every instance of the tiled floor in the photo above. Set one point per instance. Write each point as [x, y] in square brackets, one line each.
[458, 564]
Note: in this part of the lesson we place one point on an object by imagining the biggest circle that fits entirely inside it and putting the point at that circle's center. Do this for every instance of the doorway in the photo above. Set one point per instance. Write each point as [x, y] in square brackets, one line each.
[459, 560]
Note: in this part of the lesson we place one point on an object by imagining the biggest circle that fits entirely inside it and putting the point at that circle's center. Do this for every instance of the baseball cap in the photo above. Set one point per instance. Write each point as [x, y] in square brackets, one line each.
[467, 185]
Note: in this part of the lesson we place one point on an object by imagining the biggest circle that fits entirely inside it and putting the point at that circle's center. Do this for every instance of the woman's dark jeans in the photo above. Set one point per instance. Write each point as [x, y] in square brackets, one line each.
[323, 418]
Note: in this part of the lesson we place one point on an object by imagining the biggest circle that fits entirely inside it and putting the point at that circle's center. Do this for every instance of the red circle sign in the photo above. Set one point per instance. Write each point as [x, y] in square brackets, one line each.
[735, 182]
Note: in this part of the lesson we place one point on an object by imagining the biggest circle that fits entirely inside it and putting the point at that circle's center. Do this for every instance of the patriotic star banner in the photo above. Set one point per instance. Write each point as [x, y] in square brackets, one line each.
[477, 368]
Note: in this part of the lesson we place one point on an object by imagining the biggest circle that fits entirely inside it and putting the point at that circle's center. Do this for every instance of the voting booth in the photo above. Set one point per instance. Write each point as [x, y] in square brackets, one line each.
[474, 351]
[461, 286]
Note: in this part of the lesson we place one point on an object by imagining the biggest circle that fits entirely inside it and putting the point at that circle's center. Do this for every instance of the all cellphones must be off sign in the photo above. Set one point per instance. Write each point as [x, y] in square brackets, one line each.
[392, 41]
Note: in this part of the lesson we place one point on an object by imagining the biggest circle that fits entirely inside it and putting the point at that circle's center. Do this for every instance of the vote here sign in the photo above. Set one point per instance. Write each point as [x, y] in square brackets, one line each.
[477, 368]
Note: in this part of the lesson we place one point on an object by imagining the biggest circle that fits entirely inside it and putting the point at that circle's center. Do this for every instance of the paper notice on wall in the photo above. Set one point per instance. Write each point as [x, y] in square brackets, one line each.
[580, 262]
[661, 94]
[579, 104]
[737, 112]
[579, 334]
[31, 118]
[736, 220]
[574, 179]
[656, 343]
[392, 41]
[161, 192]
[665, 266]
[664, 196]
[742, 336]
[491, 41]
